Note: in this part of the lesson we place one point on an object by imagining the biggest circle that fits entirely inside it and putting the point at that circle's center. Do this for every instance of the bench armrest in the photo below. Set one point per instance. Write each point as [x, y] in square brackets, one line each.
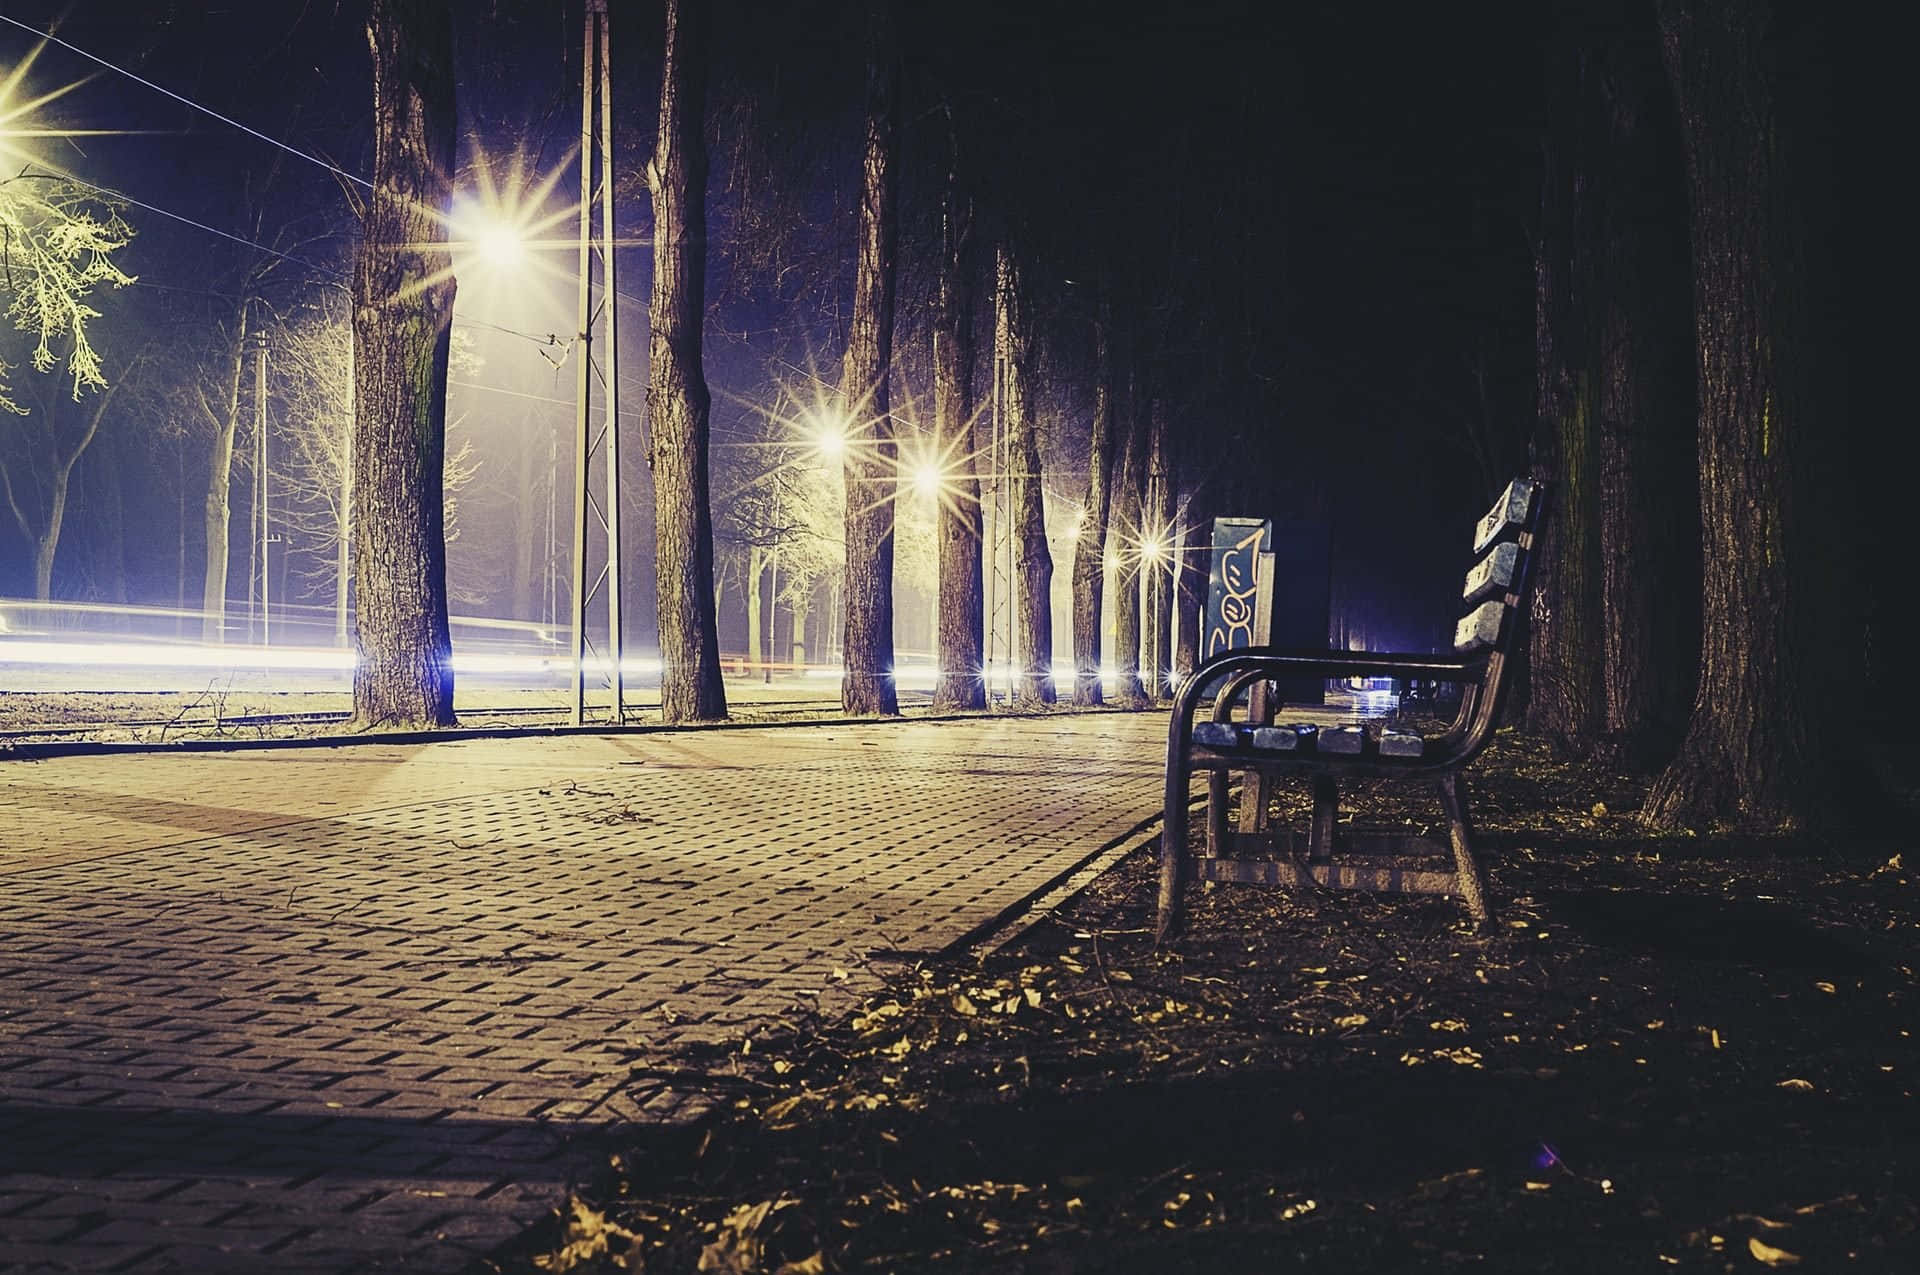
[1227, 674]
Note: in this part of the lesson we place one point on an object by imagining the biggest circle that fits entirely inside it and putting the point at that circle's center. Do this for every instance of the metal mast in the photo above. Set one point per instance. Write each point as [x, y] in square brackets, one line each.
[596, 81]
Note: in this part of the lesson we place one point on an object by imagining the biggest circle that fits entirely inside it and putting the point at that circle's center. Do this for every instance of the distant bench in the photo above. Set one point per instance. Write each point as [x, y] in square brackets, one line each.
[1262, 749]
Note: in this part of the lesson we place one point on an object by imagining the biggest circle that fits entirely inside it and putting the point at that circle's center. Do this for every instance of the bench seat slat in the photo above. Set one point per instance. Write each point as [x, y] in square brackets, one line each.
[1395, 742]
[1298, 737]
[1345, 741]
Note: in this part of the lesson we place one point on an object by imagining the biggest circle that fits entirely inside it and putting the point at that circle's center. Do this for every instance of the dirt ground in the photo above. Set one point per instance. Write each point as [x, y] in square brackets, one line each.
[1668, 1053]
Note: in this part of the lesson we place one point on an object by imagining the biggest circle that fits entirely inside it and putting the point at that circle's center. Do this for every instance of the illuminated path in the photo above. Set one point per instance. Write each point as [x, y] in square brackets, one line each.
[372, 1007]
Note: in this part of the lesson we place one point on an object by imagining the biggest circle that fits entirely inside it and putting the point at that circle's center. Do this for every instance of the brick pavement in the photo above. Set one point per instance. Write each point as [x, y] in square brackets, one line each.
[374, 1007]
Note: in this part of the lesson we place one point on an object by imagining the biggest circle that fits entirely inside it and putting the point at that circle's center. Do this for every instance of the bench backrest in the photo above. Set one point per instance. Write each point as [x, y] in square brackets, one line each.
[1497, 589]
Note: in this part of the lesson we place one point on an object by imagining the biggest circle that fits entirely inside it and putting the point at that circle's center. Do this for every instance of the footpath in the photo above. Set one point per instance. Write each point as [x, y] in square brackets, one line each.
[375, 1007]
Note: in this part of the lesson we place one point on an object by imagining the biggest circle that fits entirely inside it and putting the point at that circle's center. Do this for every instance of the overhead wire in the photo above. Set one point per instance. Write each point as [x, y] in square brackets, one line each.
[95, 58]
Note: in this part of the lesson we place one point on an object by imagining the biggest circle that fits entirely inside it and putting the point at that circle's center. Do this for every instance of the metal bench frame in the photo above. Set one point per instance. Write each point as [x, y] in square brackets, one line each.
[1255, 854]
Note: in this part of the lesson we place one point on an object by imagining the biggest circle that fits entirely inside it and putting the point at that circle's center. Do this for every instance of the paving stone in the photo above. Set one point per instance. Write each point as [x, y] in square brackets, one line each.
[373, 1008]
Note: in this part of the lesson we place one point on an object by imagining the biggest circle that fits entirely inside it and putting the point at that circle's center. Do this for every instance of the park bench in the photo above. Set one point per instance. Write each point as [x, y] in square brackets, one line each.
[1262, 747]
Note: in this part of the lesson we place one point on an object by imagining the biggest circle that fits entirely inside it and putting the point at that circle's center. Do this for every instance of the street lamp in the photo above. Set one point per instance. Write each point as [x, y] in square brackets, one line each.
[829, 433]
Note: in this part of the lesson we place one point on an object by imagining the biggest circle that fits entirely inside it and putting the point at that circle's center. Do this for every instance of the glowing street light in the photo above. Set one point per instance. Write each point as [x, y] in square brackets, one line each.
[829, 434]
[490, 238]
[501, 247]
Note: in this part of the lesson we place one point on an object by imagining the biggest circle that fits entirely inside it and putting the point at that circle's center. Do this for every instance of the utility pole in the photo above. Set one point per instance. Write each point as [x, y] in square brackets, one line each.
[257, 530]
[596, 81]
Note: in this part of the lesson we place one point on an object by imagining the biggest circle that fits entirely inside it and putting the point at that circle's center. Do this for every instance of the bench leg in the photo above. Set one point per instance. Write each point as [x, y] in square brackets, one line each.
[1326, 808]
[1173, 848]
[1453, 796]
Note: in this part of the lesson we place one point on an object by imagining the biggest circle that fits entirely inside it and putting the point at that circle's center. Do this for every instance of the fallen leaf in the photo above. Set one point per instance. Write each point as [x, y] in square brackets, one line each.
[1794, 1082]
[1350, 1020]
[1769, 1255]
[1599, 810]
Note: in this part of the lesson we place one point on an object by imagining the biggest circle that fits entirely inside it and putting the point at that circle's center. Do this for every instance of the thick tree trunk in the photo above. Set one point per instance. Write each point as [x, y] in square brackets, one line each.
[1033, 563]
[1778, 634]
[217, 508]
[677, 399]
[871, 468]
[1649, 502]
[1090, 545]
[1128, 508]
[403, 305]
[1564, 665]
[960, 683]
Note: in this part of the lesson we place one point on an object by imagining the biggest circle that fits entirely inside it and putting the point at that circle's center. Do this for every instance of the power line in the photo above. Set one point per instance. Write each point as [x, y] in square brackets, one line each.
[187, 101]
[62, 174]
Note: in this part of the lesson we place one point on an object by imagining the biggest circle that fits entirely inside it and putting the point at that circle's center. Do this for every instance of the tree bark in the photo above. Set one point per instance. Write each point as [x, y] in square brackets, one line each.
[1649, 502]
[1157, 624]
[403, 304]
[678, 402]
[1126, 537]
[1190, 579]
[870, 459]
[1090, 545]
[1778, 632]
[759, 648]
[217, 508]
[960, 683]
[1565, 640]
[1033, 563]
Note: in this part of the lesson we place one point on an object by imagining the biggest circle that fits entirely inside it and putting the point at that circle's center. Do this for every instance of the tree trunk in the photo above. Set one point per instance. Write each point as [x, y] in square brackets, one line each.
[802, 605]
[1127, 534]
[1090, 545]
[1649, 502]
[677, 399]
[218, 505]
[757, 639]
[403, 305]
[1033, 564]
[960, 682]
[1158, 621]
[1761, 751]
[1190, 580]
[870, 465]
[1565, 641]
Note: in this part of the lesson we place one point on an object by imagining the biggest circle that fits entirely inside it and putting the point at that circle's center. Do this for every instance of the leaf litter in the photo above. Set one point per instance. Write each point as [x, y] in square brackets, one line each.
[1673, 1052]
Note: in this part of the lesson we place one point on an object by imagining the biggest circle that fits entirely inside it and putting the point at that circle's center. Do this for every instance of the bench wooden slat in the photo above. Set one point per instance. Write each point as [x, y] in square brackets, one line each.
[1344, 740]
[1510, 510]
[1493, 574]
[1480, 627]
[1294, 738]
[1218, 734]
[1395, 742]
